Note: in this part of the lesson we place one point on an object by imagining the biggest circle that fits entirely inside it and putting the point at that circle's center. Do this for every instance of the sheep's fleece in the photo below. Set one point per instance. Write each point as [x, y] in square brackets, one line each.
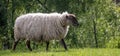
[41, 26]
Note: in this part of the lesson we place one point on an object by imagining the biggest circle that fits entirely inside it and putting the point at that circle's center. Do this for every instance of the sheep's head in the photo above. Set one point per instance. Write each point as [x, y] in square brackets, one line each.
[71, 19]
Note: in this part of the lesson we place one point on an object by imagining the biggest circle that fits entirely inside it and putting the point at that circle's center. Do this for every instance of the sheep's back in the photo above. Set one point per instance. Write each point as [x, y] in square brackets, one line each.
[39, 27]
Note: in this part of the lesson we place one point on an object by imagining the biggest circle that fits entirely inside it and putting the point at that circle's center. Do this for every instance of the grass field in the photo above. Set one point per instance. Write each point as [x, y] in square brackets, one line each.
[61, 52]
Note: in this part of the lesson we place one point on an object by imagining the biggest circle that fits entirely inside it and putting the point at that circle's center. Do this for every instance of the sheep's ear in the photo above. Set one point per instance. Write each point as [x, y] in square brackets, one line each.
[67, 16]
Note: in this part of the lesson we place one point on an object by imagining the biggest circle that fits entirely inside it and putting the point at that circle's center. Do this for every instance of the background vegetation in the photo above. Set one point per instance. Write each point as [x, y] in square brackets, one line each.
[99, 21]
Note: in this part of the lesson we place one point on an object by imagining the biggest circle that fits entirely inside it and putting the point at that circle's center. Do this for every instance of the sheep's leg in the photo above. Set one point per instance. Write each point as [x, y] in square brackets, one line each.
[63, 43]
[15, 44]
[28, 45]
[47, 45]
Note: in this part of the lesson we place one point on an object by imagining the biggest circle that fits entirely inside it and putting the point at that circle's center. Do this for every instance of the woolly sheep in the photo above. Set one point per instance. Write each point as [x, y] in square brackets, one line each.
[43, 27]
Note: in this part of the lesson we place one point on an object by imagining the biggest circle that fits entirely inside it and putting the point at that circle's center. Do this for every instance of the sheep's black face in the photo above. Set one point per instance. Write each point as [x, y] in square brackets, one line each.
[72, 19]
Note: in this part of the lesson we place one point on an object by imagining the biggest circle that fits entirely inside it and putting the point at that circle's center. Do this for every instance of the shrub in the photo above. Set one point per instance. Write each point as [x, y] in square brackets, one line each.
[114, 42]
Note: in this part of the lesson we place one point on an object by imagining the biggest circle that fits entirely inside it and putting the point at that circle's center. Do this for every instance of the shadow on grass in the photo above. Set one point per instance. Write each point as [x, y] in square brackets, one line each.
[21, 51]
[57, 51]
[38, 50]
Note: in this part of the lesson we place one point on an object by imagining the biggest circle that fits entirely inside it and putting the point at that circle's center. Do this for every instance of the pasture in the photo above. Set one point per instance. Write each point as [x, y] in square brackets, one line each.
[61, 52]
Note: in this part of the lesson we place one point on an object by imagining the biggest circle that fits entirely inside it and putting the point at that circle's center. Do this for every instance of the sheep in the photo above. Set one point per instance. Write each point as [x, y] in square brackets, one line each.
[43, 27]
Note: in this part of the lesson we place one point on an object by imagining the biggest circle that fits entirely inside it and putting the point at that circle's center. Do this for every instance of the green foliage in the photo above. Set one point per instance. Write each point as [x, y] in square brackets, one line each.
[114, 42]
[99, 20]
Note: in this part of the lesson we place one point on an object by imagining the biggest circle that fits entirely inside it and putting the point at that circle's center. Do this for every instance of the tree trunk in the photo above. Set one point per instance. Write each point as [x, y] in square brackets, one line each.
[95, 33]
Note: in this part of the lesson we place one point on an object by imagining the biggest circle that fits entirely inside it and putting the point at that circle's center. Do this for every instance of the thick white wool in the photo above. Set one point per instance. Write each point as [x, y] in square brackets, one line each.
[41, 26]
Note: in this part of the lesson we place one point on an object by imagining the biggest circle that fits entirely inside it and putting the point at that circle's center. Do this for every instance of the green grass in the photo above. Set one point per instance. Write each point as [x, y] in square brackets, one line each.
[61, 52]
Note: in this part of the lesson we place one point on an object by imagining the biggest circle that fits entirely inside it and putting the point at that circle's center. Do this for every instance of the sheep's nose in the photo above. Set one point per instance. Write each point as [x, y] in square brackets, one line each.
[76, 24]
